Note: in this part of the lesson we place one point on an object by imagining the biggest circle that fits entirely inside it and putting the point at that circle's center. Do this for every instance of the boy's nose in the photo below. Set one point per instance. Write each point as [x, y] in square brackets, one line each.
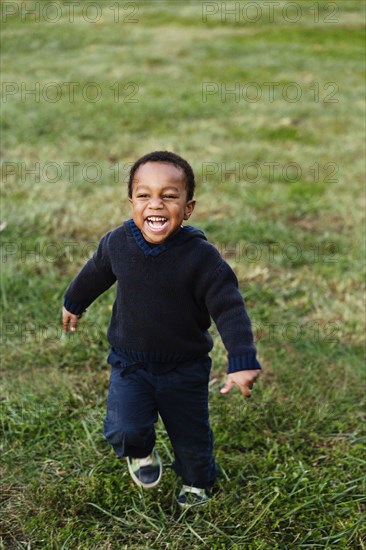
[155, 203]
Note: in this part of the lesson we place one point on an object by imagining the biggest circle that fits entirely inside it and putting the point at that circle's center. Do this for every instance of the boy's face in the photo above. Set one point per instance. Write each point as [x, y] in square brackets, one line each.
[159, 200]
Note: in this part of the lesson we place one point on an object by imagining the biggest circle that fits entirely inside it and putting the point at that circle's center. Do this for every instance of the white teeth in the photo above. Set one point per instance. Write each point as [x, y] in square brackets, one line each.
[156, 219]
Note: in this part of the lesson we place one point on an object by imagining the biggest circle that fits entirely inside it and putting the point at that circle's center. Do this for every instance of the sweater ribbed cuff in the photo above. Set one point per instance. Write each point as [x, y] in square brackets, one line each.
[243, 362]
[73, 307]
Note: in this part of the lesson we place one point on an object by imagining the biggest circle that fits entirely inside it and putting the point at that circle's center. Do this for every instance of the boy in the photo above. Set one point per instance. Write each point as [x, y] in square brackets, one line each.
[170, 281]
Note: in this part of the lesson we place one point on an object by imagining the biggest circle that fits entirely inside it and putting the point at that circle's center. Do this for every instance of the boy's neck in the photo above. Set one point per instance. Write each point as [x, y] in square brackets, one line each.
[148, 248]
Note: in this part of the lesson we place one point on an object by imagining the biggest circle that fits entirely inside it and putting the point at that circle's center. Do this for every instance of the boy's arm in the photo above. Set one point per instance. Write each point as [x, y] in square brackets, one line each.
[226, 306]
[94, 278]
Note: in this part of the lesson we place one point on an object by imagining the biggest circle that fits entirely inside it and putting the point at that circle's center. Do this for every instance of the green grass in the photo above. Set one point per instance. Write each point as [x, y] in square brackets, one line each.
[292, 458]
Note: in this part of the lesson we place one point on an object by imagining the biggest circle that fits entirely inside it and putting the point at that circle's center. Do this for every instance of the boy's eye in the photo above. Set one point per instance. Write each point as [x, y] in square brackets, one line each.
[146, 195]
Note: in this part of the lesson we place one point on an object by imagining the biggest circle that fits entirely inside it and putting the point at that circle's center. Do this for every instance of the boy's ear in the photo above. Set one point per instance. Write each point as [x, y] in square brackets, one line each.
[130, 200]
[189, 209]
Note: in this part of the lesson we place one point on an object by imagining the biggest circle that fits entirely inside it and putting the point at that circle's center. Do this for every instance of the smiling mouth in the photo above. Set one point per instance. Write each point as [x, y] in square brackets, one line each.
[157, 223]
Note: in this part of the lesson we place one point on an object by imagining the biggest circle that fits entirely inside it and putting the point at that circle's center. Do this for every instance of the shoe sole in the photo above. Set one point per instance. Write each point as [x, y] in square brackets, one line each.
[140, 483]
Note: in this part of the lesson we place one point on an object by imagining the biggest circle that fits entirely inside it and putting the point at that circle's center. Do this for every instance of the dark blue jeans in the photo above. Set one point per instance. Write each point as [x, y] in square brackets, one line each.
[180, 396]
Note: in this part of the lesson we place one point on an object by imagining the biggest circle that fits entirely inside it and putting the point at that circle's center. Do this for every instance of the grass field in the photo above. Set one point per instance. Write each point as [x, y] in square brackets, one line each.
[266, 102]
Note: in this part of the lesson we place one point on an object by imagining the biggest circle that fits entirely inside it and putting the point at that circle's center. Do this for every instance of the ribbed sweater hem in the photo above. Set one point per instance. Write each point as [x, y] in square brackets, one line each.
[243, 362]
[73, 307]
[156, 356]
[236, 363]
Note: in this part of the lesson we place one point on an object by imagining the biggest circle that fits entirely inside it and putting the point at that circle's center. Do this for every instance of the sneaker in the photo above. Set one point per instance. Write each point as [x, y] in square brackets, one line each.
[191, 496]
[146, 472]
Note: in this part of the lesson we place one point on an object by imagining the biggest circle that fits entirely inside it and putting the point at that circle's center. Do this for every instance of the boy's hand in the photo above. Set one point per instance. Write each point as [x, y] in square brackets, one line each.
[69, 319]
[244, 379]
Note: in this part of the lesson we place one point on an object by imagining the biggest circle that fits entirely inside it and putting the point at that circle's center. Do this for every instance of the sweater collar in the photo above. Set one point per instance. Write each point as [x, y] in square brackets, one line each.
[155, 249]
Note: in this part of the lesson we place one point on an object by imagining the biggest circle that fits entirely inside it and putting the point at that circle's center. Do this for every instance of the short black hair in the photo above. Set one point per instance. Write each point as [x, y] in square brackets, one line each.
[172, 158]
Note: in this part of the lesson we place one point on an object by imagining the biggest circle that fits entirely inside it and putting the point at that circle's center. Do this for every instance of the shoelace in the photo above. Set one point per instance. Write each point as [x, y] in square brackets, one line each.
[194, 490]
[141, 462]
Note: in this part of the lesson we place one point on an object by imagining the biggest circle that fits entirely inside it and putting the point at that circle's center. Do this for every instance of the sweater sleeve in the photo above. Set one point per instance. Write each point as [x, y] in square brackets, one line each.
[226, 306]
[94, 278]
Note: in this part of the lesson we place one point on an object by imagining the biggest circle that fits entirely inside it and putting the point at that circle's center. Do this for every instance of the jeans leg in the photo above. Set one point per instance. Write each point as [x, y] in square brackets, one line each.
[131, 413]
[183, 405]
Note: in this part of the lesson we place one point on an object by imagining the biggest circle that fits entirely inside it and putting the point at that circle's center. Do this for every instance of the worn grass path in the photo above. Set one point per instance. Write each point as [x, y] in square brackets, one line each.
[269, 111]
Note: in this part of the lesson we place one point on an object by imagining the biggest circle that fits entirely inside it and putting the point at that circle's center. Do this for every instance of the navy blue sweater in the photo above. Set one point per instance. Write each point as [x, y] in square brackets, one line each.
[166, 295]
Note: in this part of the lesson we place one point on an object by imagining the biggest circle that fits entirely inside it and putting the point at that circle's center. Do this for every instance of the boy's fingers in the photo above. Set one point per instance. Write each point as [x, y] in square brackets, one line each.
[69, 319]
[73, 323]
[246, 390]
[245, 384]
[65, 322]
[228, 386]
